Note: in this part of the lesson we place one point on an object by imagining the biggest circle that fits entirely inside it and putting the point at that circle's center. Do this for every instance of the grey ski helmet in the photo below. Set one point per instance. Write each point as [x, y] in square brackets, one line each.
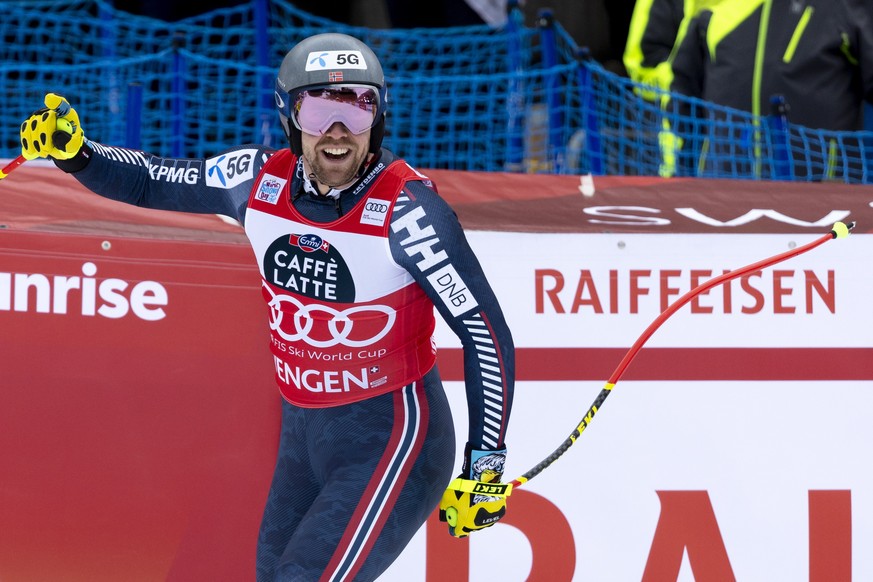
[323, 60]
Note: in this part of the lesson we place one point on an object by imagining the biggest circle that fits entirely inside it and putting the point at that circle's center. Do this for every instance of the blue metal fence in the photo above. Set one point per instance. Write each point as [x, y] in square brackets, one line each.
[517, 98]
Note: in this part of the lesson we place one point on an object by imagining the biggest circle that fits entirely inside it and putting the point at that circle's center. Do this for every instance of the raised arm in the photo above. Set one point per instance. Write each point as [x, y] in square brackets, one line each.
[217, 185]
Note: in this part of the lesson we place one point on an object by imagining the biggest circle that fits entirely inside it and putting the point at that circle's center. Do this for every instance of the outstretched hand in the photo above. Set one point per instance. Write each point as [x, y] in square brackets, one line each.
[53, 131]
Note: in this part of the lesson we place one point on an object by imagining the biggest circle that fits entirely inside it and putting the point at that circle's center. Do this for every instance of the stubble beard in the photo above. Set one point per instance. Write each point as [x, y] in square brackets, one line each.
[335, 175]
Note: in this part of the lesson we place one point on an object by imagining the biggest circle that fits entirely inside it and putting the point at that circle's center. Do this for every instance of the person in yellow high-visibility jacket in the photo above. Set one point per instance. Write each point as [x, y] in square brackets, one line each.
[816, 54]
[657, 27]
[656, 30]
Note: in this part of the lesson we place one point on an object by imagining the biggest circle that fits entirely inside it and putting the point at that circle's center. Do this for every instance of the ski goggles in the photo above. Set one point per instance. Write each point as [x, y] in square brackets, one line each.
[314, 111]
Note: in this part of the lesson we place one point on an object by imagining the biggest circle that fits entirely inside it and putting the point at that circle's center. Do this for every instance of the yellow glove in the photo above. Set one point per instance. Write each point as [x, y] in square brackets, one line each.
[53, 131]
[467, 512]
[469, 505]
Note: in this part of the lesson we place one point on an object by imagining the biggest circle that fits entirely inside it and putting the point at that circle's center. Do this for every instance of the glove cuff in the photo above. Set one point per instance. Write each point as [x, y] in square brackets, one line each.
[483, 465]
[77, 162]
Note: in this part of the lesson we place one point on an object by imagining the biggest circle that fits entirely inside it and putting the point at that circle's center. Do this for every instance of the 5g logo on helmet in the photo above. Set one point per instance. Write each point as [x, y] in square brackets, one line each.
[321, 60]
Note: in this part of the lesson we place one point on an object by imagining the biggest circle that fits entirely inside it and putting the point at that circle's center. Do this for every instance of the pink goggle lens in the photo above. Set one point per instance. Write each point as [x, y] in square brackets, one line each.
[316, 110]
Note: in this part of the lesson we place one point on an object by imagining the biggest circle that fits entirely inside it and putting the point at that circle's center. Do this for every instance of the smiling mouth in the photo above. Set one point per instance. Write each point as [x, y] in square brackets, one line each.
[336, 153]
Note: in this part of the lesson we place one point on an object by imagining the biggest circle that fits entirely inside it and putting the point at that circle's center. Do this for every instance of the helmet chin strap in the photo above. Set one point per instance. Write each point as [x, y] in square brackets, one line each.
[309, 185]
[311, 181]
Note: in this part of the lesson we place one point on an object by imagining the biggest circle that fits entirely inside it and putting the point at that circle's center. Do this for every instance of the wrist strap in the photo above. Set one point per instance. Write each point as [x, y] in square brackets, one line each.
[77, 162]
[491, 489]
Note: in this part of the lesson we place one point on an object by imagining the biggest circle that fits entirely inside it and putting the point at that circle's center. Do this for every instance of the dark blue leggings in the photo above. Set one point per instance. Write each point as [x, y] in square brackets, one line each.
[354, 483]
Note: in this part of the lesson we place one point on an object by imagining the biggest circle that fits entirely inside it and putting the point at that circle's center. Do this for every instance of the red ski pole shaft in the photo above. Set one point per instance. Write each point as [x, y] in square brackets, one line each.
[8, 168]
[840, 230]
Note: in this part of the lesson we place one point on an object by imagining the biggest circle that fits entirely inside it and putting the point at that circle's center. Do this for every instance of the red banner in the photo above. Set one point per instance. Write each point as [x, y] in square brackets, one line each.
[138, 408]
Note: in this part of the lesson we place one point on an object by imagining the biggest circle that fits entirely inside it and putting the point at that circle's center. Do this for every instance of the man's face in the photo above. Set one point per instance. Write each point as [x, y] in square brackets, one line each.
[336, 156]
[335, 122]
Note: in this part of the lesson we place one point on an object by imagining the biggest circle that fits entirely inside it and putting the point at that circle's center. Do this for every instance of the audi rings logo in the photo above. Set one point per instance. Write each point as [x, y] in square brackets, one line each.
[375, 212]
[341, 326]
[376, 207]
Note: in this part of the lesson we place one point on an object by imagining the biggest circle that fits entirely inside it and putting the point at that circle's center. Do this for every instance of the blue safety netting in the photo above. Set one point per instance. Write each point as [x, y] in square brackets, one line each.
[516, 98]
[673, 135]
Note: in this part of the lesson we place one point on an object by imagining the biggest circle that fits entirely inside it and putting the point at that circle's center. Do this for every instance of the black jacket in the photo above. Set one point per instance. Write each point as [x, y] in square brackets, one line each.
[818, 54]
